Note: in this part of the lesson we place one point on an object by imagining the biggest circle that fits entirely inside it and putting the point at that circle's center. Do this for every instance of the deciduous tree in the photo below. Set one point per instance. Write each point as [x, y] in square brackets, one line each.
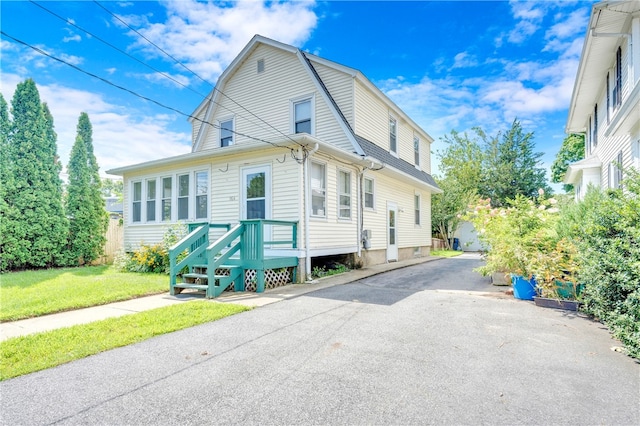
[572, 150]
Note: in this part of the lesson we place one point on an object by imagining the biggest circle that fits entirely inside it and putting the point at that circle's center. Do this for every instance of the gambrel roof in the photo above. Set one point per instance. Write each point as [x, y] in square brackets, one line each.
[360, 146]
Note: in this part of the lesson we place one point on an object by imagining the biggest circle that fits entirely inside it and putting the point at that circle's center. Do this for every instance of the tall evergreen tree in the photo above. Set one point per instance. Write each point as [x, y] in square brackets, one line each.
[5, 126]
[511, 167]
[34, 225]
[85, 206]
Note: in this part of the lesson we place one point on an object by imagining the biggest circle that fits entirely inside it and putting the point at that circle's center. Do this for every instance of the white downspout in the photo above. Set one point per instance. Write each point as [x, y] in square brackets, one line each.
[307, 211]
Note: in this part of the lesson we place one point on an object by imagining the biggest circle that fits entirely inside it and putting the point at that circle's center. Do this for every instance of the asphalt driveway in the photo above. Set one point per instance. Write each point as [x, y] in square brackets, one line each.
[431, 343]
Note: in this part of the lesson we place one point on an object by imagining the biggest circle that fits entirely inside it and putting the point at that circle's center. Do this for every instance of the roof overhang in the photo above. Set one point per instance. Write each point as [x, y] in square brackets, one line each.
[607, 25]
[575, 170]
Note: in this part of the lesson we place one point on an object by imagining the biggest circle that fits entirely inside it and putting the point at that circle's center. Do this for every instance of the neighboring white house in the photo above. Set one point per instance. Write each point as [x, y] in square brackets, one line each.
[287, 135]
[605, 105]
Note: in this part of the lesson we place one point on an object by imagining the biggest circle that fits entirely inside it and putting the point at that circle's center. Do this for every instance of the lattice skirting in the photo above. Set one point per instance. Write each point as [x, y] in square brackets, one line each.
[272, 278]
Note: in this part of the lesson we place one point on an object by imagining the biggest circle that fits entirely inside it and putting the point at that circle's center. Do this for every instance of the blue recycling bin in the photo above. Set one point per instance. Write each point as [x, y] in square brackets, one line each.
[456, 244]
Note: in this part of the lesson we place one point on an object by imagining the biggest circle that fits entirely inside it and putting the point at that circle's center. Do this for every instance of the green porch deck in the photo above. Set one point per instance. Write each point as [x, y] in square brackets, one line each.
[213, 267]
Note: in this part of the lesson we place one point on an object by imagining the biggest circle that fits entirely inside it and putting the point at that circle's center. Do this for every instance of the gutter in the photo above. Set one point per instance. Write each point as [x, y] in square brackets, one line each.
[307, 207]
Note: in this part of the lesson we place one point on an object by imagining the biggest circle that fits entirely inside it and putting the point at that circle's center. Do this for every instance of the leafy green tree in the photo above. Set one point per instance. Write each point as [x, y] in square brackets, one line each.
[34, 226]
[511, 167]
[112, 188]
[572, 150]
[460, 165]
[85, 206]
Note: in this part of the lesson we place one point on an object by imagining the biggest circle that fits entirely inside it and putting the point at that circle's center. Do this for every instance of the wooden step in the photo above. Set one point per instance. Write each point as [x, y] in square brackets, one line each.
[191, 286]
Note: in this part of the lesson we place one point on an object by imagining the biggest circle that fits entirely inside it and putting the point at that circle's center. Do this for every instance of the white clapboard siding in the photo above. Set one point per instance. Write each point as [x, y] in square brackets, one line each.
[341, 87]
[371, 116]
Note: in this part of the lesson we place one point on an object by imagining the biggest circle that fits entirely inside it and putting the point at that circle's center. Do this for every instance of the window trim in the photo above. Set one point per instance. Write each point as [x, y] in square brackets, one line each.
[299, 100]
[394, 151]
[417, 209]
[159, 198]
[595, 126]
[617, 87]
[233, 128]
[373, 193]
[206, 195]
[154, 200]
[340, 194]
[416, 151]
[324, 165]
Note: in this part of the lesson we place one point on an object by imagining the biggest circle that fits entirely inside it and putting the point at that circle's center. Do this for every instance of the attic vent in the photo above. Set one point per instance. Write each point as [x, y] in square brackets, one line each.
[260, 65]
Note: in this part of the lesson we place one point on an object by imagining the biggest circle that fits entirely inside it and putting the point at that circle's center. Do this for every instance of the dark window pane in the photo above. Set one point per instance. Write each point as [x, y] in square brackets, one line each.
[201, 207]
[255, 209]
[303, 126]
[137, 211]
[166, 210]
[183, 208]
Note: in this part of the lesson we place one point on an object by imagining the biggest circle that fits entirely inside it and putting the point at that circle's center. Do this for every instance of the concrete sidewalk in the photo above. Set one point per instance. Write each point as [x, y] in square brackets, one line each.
[127, 307]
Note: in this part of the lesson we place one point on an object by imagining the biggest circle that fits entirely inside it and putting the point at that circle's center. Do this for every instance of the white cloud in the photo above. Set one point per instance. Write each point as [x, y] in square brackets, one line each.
[120, 136]
[206, 36]
[464, 60]
[74, 37]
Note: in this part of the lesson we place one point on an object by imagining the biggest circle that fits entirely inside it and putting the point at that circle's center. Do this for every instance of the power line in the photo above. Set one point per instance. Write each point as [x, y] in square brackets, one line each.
[215, 89]
[117, 48]
[104, 80]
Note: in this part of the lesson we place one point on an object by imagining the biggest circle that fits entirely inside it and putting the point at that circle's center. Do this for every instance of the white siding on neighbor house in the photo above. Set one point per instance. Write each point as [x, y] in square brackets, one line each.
[408, 233]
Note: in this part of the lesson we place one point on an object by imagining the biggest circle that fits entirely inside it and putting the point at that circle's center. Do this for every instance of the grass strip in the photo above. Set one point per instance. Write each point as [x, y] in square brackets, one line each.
[35, 352]
[446, 253]
[28, 294]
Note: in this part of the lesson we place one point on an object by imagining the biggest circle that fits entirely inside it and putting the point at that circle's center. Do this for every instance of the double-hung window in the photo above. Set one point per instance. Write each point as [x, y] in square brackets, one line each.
[393, 135]
[151, 200]
[344, 195]
[202, 189]
[183, 197]
[416, 202]
[608, 98]
[302, 116]
[595, 126]
[226, 133]
[167, 189]
[136, 204]
[318, 189]
[416, 151]
[617, 88]
[369, 202]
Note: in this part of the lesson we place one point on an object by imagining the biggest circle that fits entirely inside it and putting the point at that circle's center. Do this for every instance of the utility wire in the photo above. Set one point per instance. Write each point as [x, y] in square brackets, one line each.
[104, 80]
[215, 89]
[136, 59]
[117, 48]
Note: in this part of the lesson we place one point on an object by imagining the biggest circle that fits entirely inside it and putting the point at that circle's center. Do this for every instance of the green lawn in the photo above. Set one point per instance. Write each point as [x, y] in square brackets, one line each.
[33, 293]
[27, 354]
[446, 253]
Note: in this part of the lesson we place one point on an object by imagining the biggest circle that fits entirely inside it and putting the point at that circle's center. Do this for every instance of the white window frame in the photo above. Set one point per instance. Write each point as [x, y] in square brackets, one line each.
[323, 190]
[170, 198]
[635, 153]
[301, 100]
[417, 209]
[341, 194]
[183, 197]
[154, 200]
[196, 195]
[373, 193]
[233, 128]
[416, 151]
[393, 136]
[138, 201]
[191, 198]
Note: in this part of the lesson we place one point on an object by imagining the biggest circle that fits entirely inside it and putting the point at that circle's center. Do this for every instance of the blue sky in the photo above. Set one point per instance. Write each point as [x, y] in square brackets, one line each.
[448, 64]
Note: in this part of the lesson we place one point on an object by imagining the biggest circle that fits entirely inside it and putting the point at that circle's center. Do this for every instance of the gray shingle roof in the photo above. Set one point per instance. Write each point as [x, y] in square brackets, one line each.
[371, 149]
[379, 153]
